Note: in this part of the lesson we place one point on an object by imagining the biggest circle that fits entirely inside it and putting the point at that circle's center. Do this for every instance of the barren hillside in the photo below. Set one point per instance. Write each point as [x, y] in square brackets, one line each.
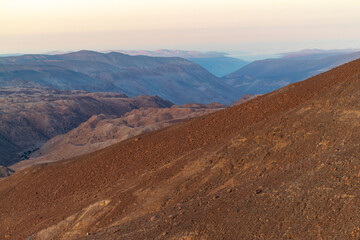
[282, 166]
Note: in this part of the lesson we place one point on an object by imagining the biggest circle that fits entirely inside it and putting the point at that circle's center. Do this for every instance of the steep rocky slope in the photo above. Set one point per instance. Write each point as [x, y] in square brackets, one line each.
[267, 75]
[30, 117]
[274, 167]
[174, 79]
[101, 131]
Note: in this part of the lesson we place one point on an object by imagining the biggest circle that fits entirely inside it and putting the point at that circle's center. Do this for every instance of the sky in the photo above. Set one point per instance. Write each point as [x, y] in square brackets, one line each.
[240, 27]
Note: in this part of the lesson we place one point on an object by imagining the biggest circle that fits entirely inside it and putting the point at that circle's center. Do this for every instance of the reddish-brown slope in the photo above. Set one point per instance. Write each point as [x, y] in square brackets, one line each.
[184, 171]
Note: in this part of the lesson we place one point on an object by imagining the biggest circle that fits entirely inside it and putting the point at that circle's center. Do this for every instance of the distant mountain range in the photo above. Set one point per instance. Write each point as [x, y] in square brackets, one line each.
[267, 75]
[175, 79]
[217, 63]
[320, 53]
[167, 74]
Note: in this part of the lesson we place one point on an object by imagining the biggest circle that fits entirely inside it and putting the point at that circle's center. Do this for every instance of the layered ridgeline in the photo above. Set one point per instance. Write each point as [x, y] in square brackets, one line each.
[30, 117]
[103, 130]
[175, 79]
[274, 167]
[264, 76]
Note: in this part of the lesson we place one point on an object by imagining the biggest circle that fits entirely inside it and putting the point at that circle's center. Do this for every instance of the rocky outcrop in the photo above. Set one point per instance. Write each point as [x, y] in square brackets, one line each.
[5, 172]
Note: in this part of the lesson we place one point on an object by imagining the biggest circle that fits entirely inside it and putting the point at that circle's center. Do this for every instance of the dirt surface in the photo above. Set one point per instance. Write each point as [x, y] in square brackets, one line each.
[282, 166]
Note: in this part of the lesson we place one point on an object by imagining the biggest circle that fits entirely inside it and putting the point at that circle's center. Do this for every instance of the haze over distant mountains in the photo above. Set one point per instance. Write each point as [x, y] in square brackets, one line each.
[217, 63]
[175, 79]
[267, 75]
[321, 53]
[173, 53]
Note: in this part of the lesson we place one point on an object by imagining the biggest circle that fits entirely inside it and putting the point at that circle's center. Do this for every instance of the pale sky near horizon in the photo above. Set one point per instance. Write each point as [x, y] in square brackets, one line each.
[258, 26]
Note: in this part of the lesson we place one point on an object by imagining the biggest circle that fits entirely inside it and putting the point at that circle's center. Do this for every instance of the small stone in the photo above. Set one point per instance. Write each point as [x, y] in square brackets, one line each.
[88, 234]
[153, 218]
[259, 190]
[229, 190]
